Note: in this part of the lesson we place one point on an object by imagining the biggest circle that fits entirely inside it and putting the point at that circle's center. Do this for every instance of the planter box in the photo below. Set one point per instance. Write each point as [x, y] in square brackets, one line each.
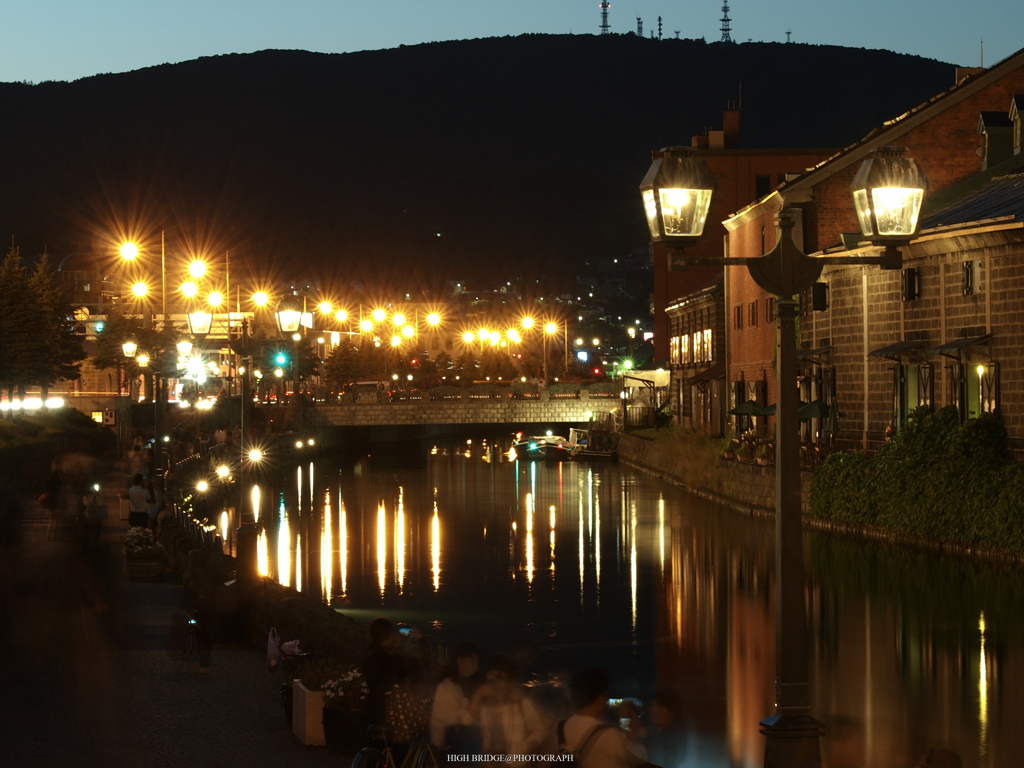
[308, 715]
[144, 570]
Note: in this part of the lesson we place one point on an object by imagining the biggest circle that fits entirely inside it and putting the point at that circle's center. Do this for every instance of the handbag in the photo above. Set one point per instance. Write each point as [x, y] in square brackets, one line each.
[405, 715]
[273, 650]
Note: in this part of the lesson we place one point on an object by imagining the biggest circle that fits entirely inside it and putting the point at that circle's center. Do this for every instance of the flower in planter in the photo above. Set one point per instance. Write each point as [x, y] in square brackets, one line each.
[139, 544]
[347, 691]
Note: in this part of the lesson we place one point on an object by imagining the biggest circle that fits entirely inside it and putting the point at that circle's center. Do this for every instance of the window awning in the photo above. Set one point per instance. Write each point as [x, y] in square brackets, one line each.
[716, 371]
[893, 351]
[811, 355]
[952, 348]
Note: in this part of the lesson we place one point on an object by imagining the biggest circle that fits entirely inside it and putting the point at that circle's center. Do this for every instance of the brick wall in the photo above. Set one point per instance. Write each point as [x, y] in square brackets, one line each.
[941, 314]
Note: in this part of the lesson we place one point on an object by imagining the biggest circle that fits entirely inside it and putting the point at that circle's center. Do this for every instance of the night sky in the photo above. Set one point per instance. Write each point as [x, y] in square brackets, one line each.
[68, 39]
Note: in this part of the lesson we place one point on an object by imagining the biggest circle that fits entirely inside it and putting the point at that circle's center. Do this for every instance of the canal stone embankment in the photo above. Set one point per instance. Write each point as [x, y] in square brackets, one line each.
[745, 487]
[750, 489]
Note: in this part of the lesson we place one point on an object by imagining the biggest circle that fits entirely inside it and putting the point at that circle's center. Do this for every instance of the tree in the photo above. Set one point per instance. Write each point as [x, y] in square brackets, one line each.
[37, 344]
[342, 366]
[57, 351]
[15, 308]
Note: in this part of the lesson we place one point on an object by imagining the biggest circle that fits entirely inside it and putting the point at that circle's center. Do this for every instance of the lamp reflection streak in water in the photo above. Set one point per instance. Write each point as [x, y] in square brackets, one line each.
[661, 535]
[582, 551]
[343, 544]
[435, 545]
[400, 541]
[262, 554]
[551, 520]
[529, 538]
[255, 496]
[225, 529]
[382, 548]
[982, 691]
[284, 536]
[632, 565]
[326, 553]
[595, 537]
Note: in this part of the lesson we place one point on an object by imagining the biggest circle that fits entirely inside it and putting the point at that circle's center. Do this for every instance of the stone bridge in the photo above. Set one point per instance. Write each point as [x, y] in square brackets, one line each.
[542, 409]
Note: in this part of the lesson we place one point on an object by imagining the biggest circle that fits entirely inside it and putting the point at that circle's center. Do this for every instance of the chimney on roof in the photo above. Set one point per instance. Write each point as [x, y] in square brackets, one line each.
[727, 138]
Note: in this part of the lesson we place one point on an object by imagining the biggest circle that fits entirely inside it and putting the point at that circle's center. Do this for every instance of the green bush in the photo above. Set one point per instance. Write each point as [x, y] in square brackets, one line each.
[936, 479]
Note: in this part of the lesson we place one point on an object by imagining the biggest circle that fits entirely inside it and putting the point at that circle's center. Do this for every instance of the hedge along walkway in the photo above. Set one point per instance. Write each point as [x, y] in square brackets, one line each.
[936, 483]
[88, 679]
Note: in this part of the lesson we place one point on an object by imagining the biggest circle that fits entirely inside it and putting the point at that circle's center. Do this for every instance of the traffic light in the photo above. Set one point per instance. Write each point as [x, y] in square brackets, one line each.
[281, 359]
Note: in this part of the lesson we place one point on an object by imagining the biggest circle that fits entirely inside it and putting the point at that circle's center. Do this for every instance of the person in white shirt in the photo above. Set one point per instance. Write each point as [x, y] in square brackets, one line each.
[451, 724]
[587, 735]
[137, 498]
[510, 723]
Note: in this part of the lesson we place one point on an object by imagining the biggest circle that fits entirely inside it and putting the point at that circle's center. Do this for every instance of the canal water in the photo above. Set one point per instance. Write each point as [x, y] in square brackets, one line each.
[568, 563]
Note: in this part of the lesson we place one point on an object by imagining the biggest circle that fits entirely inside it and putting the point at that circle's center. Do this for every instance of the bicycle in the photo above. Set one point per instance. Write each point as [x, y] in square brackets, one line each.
[420, 753]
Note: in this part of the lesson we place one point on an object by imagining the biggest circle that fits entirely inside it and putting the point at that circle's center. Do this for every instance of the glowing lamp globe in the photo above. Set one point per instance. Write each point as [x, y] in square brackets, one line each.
[888, 192]
[677, 192]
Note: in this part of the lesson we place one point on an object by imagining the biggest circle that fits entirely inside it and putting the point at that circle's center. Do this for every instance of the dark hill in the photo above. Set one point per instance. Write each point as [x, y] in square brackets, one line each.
[462, 160]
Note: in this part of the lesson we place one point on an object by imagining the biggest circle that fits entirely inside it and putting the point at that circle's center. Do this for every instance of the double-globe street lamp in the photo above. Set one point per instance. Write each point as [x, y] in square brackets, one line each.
[888, 191]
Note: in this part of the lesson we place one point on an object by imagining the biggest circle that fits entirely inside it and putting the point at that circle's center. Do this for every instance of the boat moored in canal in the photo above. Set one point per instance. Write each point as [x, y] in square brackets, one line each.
[543, 447]
[592, 443]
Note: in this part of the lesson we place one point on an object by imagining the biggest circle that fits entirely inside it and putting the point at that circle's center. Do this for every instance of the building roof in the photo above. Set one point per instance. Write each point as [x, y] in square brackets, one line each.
[801, 188]
[1001, 197]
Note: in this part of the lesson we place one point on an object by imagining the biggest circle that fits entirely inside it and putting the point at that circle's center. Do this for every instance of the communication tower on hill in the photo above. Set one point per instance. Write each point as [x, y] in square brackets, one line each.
[639, 26]
[659, 27]
[726, 34]
[605, 27]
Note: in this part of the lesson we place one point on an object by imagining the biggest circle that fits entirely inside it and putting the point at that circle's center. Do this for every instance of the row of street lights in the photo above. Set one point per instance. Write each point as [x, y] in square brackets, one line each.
[888, 191]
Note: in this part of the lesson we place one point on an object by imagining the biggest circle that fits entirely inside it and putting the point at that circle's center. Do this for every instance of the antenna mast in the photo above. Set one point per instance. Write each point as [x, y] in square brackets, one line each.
[604, 6]
[639, 26]
[726, 36]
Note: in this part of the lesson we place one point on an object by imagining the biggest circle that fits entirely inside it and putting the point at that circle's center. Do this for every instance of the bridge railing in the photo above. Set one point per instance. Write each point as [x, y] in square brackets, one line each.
[477, 392]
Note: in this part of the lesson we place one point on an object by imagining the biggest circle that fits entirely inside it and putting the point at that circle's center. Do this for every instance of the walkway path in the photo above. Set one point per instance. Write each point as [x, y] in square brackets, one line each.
[89, 681]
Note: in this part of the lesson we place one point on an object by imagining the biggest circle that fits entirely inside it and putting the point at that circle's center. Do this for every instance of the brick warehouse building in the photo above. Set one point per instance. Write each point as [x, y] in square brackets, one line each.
[742, 175]
[944, 329]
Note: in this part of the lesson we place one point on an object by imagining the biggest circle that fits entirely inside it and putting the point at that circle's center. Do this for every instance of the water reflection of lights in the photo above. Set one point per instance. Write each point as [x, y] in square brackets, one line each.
[400, 540]
[632, 563]
[284, 559]
[551, 536]
[382, 548]
[343, 546]
[435, 547]
[262, 554]
[529, 538]
[594, 500]
[326, 552]
[255, 503]
[582, 551]
[982, 691]
[661, 533]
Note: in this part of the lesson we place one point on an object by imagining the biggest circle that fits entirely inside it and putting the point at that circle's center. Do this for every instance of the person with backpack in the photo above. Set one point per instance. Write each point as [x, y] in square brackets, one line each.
[587, 736]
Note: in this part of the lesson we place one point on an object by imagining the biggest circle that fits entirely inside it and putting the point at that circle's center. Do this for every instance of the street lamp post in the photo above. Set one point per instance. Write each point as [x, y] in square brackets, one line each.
[888, 191]
[549, 330]
[289, 320]
[129, 251]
